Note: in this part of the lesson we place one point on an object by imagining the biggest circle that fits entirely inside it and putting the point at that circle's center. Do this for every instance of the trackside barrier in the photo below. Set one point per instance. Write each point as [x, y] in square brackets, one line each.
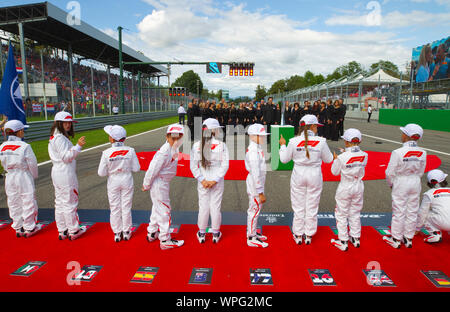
[40, 130]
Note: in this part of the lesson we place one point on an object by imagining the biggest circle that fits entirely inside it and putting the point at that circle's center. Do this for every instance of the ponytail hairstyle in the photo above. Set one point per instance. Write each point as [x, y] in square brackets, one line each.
[304, 129]
[59, 125]
[435, 183]
[207, 135]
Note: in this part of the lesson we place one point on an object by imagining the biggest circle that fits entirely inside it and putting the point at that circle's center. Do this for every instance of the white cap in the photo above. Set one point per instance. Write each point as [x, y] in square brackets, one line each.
[15, 125]
[413, 131]
[309, 120]
[211, 123]
[352, 135]
[175, 128]
[64, 116]
[257, 129]
[116, 132]
[436, 175]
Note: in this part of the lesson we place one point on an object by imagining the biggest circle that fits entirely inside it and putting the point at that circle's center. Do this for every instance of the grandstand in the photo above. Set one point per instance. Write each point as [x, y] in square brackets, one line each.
[378, 89]
[78, 64]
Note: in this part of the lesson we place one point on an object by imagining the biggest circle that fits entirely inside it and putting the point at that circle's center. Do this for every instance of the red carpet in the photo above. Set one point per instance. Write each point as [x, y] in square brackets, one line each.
[375, 169]
[231, 261]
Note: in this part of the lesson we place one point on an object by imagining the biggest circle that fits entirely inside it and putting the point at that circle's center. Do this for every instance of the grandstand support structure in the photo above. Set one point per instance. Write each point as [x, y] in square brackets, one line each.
[49, 25]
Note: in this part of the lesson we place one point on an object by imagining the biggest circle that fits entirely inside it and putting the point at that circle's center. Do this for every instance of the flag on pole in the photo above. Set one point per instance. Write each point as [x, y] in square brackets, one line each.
[11, 103]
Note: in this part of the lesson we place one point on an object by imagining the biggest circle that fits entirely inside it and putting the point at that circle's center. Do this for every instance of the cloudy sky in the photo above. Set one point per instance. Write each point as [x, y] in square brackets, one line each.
[282, 38]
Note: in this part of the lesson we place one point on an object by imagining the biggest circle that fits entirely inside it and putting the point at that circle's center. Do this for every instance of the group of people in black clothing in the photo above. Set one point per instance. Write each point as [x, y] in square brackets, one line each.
[330, 114]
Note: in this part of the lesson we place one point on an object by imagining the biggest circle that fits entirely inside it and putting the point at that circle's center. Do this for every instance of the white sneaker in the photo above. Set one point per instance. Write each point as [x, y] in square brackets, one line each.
[435, 237]
[171, 243]
[261, 237]
[20, 232]
[298, 239]
[201, 237]
[127, 235]
[36, 229]
[307, 240]
[256, 242]
[118, 237]
[355, 242]
[392, 241]
[78, 233]
[407, 242]
[63, 235]
[216, 237]
[152, 236]
[342, 245]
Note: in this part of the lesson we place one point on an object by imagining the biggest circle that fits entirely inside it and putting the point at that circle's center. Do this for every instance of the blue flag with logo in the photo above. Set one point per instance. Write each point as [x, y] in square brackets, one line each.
[11, 103]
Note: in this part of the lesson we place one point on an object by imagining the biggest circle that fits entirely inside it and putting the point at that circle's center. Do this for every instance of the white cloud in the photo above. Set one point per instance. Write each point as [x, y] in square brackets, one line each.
[415, 18]
[279, 46]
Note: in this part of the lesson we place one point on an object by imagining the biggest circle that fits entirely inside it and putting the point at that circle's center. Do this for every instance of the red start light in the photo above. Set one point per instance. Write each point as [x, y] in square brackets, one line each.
[240, 72]
[236, 72]
[231, 72]
[246, 72]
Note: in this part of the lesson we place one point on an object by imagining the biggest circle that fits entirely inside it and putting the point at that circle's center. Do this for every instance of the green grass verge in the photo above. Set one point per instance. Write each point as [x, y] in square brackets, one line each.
[98, 136]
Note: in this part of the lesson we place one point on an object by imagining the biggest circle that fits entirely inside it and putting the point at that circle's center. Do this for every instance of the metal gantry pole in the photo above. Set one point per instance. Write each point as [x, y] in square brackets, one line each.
[122, 97]
[93, 91]
[1, 56]
[24, 64]
[109, 88]
[69, 56]
[43, 84]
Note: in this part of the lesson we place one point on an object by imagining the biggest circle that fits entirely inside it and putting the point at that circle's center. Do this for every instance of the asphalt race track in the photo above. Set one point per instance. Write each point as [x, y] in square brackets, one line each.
[184, 198]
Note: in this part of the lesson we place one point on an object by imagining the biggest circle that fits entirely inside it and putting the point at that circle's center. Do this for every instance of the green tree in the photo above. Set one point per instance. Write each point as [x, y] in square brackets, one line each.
[295, 82]
[278, 86]
[189, 81]
[260, 93]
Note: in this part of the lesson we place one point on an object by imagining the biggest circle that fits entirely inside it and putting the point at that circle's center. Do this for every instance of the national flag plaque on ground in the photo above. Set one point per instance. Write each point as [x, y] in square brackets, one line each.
[201, 276]
[321, 277]
[438, 278]
[144, 275]
[378, 278]
[261, 277]
[334, 229]
[4, 223]
[134, 227]
[174, 229]
[88, 225]
[29, 268]
[383, 230]
[87, 273]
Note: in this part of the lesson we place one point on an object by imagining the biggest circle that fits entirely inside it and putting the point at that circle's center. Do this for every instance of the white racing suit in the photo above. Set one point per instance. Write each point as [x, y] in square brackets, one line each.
[161, 171]
[350, 191]
[405, 168]
[210, 200]
[118, 162]
[306, 179]
[20, 164]
[255, 163]
[62, 154]
[434, 211]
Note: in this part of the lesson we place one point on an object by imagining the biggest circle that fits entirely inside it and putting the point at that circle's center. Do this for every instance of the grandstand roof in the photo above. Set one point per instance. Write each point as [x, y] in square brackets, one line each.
[47, 24]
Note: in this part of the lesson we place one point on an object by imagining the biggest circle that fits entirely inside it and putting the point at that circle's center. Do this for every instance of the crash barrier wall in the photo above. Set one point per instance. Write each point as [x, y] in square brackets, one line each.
[361, 115]
[431, 119]
[40, 130]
